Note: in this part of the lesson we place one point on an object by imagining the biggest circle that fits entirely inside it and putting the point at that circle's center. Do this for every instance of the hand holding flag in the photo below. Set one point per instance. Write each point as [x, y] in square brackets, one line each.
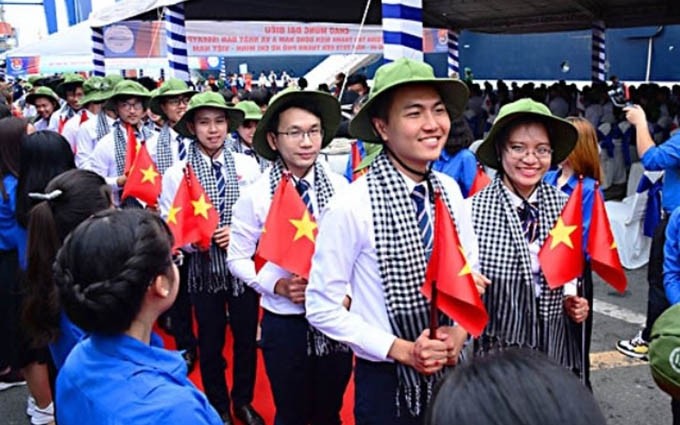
[561, 256]
[448, 279]
[144, 180]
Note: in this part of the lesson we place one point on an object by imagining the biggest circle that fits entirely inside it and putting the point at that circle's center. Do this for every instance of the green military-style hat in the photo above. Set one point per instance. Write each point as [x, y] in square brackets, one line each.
[251, 112]
[110, 82]
[70, 81]
[562, 133]
[328, 106]
[404, 71]
[33, 78]
[208, 99]
[170, 88]
[128, 88]
[664, 351]
[43, 92]
[92, 90]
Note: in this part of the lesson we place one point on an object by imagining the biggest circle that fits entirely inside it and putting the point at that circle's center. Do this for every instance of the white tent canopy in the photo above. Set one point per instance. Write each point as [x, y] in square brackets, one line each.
[126, 10]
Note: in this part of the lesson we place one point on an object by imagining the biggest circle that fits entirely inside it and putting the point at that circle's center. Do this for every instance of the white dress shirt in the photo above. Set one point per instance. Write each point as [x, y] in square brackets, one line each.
[247, 172]
[104, 160]
[86, 140]
[249, 215]
[70, 131]
[346, 253]
[174, 145]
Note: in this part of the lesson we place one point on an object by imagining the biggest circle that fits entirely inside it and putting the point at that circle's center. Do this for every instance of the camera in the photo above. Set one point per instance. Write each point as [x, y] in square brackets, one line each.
[619, 95]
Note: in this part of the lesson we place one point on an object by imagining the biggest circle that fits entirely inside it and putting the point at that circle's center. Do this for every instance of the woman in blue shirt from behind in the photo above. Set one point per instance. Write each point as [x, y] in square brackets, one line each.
[116, 275]
[456, 160]
[582, 161]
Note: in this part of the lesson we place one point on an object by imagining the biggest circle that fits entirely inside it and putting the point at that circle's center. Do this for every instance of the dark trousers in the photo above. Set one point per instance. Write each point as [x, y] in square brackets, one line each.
[657, 302]
[10, 309]
[582, 332]
[181, 318]
[375, 387]
[307, 389]
[211, 315]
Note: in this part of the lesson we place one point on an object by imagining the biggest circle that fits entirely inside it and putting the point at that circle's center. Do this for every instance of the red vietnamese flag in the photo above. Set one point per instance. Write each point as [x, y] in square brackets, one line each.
[192, 218]
[131, 148]
[561, 256]
[356, 160]
[144, 180]
[448, 269]
[480, 182]
[289, 233]
[604, 257]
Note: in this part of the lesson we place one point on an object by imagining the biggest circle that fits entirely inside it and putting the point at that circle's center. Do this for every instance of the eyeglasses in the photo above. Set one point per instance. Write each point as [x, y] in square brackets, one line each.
[314, 134]
[131, 105]
[521, 152]
[176, 101]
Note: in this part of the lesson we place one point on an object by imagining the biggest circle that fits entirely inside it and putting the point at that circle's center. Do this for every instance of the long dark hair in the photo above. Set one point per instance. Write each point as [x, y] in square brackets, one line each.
[131, 248]
[72, 196]
[44, 155]
[11, 131]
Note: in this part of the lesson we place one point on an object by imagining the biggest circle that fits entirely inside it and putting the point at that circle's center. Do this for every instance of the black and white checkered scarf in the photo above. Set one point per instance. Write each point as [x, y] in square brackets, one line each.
[318, 344]
[402, 263]
[120, 143]
[102, 128]
[163, 149]
[208, 271]
[517, 318]
[236, 145]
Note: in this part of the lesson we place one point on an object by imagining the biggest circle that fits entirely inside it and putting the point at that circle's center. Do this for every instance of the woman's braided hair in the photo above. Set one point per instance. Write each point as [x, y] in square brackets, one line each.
[106, 265]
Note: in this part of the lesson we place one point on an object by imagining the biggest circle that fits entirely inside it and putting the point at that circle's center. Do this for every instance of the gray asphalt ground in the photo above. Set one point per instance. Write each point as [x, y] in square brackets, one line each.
[624, 388]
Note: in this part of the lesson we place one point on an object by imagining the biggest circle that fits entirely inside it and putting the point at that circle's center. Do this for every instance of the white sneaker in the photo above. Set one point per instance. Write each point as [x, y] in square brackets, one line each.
[30, 406]
[43, 416]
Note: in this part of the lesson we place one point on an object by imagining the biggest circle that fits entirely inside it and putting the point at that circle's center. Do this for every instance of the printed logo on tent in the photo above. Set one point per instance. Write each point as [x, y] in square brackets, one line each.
[119, 38]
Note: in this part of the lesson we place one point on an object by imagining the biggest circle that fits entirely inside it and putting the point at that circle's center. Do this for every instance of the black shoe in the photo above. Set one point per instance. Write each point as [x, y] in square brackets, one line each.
[248, 415]
[190, 359]
[226, 418]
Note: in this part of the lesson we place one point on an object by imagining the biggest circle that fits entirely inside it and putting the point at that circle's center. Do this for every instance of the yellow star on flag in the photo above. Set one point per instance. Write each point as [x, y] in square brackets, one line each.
[172, 214]
[561, 233]
[201, 207]
[466, 268]
[149, 175]
[613, 245]
[304, 227]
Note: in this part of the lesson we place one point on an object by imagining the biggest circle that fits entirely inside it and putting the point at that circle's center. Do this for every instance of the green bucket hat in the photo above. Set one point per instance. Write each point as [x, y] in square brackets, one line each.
[404, 71]
[664, 351]
[563, 134]
[33, 78]
[70, 81]
[43, 92]
[251, 112]
[170, 88]
[110, 82]
[93, 88]
[128, 88]
[327, 104]
[208, 99]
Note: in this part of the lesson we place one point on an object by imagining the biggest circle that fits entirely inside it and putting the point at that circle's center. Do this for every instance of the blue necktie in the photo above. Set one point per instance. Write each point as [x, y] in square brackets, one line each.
[419, 196]
[181, 149]
[303, 189]
[249, 152]
[220, 183]
[528, 216]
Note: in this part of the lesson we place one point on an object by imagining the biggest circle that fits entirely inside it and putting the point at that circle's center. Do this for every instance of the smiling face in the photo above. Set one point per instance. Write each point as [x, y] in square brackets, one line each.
[247, 131]
[210, 125]
[44, 107]
[297, 139]
[416, 126]
[525, 171]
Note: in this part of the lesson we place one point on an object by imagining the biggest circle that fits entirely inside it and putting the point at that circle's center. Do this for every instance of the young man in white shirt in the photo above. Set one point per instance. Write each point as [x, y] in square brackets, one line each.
[130, 101]
[308, 372]
[217, 296]
[371, 238]
[93, 130]
[90, 105]
[71, 90]
[242, 137]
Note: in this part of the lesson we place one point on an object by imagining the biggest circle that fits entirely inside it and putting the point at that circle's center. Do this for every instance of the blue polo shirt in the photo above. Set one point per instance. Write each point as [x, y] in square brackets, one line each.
[671, 259]
[588, 196]
[462, 167]
[666, 157]
[119, 380]
[12, 235]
